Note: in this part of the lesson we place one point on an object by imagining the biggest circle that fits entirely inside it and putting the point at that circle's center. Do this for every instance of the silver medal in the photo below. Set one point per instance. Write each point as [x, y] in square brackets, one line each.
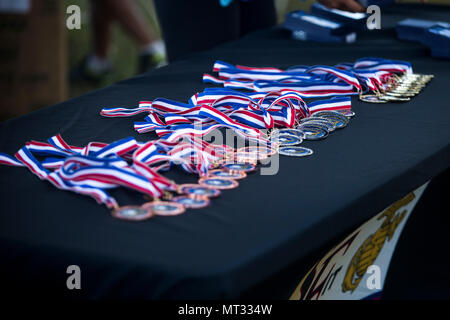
[347, 113]
[295, 151]
[313, 131]
[294, 132]
[286, 139]
[330, 125]
[338, 119]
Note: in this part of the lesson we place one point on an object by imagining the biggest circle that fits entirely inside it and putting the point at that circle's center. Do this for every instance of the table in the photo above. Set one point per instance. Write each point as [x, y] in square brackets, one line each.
[250, 233]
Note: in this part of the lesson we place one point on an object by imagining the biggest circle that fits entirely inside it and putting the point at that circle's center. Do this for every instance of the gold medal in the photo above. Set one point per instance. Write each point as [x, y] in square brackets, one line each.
[392, 98]
[399, 94]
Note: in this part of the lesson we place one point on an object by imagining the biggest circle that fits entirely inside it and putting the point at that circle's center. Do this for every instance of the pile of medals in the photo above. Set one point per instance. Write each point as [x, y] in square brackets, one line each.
[316, 127]
[97, 167]
[288, 119]
[399, 89]
[275, 104]
[375, 80]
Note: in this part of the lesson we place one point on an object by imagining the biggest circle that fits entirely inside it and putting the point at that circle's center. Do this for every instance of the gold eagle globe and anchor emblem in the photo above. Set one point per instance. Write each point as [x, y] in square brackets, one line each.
[370, 249]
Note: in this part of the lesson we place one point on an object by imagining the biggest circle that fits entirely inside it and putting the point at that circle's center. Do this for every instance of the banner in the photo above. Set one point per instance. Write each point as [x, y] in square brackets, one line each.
[356, 268]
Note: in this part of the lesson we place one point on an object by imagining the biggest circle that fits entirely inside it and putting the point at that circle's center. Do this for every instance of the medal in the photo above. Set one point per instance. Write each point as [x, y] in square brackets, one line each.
[253, 153]
[286, 139]
[395, 99]
[164, 208]
[328, 113]
[198, 191]
[347, 113]
[236, 167]
[329, 124]
[402, 88]
[192, 203]
[399, 94]
[218, 183]
[293, 132]
[225, 174]
[313, 131]
[295, 151]
[338, 120]
[268, 151]
[132, 213]
[372, 99]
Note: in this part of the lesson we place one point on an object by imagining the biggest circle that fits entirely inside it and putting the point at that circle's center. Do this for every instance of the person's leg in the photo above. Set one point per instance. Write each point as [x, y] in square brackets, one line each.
[127, 13]
[96, 65]
[102, 21]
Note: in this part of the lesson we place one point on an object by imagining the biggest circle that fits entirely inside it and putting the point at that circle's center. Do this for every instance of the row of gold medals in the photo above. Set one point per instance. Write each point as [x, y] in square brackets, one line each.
[399, 89]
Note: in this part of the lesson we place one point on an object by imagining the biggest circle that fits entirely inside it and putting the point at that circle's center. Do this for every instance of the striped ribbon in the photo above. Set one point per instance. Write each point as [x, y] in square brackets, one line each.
[92, 169]
[314, 81]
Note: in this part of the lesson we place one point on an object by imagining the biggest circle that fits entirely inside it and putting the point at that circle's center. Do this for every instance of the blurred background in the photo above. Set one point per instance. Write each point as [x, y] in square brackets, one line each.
[123, 51]
[39, 56]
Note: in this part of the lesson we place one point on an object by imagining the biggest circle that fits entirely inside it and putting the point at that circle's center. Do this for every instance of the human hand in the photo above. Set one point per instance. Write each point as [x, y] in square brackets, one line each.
[346, 5]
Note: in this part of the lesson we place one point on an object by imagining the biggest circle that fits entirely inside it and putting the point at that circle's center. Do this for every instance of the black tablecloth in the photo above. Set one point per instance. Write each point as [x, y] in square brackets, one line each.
[249, 233]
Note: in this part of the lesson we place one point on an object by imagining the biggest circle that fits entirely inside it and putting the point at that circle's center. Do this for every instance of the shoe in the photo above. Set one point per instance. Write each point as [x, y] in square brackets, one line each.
[84, 73]
[150, 61]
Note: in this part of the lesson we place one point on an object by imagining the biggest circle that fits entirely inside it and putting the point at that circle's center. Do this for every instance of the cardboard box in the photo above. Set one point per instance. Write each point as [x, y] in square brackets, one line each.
[32, 55]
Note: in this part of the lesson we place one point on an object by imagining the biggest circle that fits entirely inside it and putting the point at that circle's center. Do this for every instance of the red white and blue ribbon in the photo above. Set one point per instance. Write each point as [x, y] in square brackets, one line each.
[364, 74]
[92, 169]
